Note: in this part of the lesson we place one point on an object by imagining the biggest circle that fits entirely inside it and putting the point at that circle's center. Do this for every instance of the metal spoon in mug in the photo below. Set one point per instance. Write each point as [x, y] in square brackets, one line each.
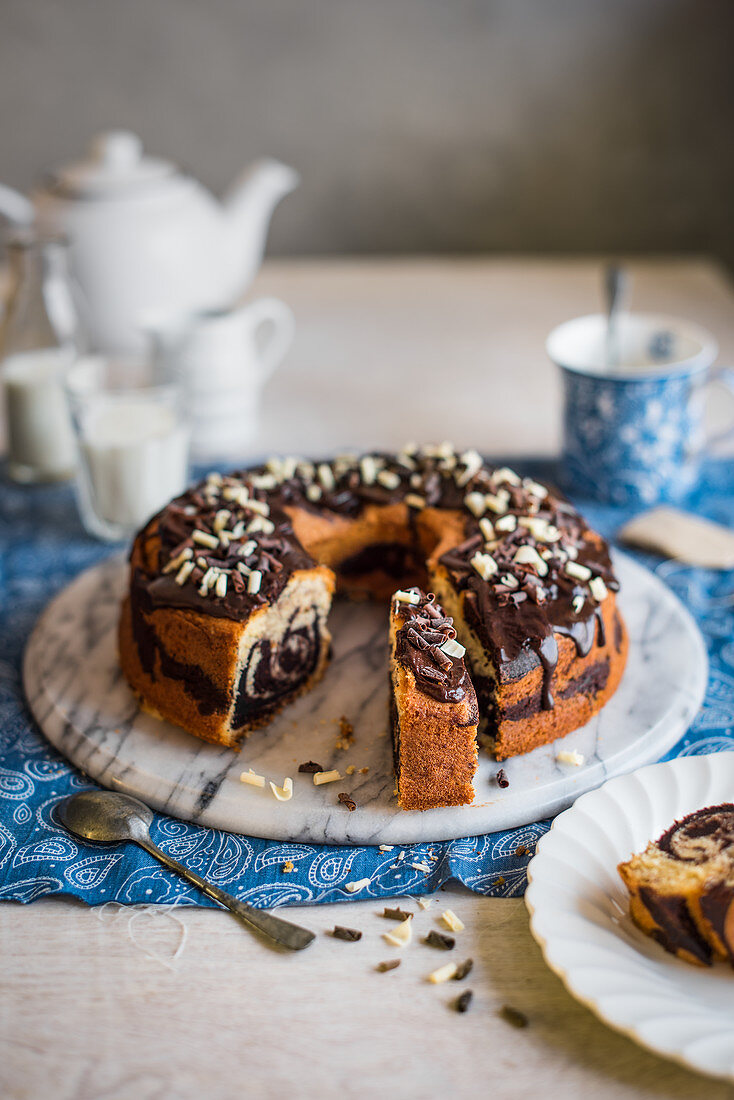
[111, 818]
[615, 286]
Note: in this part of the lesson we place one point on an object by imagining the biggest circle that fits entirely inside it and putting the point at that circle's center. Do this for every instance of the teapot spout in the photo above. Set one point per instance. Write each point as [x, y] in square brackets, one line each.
[248, 206]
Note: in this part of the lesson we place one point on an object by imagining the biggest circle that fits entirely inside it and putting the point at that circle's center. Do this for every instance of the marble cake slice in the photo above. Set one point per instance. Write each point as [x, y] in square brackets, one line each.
[433, 706]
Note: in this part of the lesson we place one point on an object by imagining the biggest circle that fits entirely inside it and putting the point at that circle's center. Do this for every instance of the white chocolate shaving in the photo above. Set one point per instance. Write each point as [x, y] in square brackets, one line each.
[326, 777]
[388, 479]
[453, 648]
[528, 555]
[326, 477]
[252, 778]
[407, 596]
[578, 572]
[354, 887]
[485, 565]
[486, 527]
[476, 503]
[401, 935]
[506, 474]
[598, 589]
[443, 974]
[203, 538]
[413, 500]
[498, 502]
[221, 586]
[506, 523]
[254, 581]
[566, 756]
[184, 572]
[451, 921]
[284, 793]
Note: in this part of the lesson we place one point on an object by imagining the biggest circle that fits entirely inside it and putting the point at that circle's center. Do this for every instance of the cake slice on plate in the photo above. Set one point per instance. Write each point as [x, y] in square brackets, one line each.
[682, 886]
[433, 706]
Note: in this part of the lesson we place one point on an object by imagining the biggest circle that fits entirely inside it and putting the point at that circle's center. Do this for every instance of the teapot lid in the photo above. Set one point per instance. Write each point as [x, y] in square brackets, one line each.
[114, 164]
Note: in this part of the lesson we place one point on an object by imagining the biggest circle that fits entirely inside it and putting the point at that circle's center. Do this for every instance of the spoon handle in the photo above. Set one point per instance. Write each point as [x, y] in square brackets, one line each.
[281, 931]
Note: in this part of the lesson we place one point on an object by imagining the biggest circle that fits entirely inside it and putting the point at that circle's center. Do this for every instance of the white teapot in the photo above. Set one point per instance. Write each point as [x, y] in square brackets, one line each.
[149, 245]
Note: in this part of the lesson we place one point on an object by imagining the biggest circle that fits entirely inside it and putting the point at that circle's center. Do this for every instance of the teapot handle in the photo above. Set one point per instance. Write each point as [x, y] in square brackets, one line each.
[273, 325]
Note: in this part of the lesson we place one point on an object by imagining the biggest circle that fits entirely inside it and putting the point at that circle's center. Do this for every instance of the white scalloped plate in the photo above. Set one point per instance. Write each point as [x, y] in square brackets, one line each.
[579, 915]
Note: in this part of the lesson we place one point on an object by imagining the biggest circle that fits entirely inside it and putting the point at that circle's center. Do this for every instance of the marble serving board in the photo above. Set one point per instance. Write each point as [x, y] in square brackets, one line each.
[83, 705]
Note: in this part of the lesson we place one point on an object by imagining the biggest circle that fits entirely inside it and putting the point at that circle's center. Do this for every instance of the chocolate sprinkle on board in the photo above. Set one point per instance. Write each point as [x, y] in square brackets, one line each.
[347, 801]
[310, 768]
[502, 780]
[391, 964]
[350, 935]
[438, 939]
[396, 914]
[463, 969]
[521, 850]
[513, 1017]
[462, 1003]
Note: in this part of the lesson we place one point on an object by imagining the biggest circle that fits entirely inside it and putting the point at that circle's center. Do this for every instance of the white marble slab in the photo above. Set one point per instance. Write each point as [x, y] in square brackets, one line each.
[83, 705]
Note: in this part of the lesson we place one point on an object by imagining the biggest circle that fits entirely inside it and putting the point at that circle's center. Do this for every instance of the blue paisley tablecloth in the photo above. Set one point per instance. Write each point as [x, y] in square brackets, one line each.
[42, 546]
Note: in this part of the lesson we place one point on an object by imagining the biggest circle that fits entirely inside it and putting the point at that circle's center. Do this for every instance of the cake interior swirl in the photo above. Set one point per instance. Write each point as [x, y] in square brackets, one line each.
[231, 585]
[682, 886]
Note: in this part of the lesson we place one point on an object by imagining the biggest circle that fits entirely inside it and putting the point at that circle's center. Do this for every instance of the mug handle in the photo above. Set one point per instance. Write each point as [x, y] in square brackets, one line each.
[271, 314]
[723, 377]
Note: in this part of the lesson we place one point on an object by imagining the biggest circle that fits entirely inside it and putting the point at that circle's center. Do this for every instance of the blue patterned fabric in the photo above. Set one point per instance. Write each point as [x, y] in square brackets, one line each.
[42, 547]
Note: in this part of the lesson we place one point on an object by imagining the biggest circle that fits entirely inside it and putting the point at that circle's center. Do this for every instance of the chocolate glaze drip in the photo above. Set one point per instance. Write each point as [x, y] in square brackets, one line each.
[418, 647]
[701, 836]
[517, 611]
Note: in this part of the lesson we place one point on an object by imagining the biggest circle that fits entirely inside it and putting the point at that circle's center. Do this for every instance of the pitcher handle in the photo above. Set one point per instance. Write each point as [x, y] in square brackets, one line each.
[271, 314]
[724, 377]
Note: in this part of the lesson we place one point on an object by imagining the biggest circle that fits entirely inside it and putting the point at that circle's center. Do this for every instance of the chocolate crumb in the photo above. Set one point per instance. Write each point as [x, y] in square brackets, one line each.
[502, 780]
[438, 939]
[521, 850]
[310, 768]
[463, 969]
[396, 914]
[391, 964]
[462, 1003]
[347, 801]
[513, 1017]
[351, 935]
[346, 733]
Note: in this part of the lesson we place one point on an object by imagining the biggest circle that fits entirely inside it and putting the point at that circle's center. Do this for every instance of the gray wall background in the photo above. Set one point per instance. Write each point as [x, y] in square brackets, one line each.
[418, 125]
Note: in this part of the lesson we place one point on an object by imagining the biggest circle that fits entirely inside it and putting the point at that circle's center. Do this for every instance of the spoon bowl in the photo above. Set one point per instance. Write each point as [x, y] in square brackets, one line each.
[111, 818]
[105, 816]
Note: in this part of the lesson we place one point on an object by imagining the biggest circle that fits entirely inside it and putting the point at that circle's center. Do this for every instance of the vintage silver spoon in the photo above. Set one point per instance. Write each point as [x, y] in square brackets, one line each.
[111, 818]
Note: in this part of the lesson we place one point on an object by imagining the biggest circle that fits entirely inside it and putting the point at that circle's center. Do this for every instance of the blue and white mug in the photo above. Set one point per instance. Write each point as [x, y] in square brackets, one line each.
[635, 406]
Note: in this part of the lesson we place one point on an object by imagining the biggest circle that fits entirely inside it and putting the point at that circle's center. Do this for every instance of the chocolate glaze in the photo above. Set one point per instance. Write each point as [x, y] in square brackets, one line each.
[276, 556]
[418, 647]
[701, 836]
[517, 626]
[516, 623]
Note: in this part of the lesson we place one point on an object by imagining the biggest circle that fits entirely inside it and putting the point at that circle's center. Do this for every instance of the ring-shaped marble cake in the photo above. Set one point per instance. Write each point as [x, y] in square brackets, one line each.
[231, 585]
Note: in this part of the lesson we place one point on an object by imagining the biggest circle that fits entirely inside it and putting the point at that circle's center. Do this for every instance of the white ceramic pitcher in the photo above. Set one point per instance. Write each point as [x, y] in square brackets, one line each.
[224, 358]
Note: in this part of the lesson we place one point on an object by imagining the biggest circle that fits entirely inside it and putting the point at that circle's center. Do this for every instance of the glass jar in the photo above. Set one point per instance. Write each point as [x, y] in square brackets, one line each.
[39, 338]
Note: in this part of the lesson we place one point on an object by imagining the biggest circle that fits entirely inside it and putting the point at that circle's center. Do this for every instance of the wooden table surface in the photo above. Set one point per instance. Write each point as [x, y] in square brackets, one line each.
[142, 1004]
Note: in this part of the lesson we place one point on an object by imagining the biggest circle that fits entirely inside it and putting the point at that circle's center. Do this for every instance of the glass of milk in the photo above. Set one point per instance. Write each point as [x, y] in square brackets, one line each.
[132, 440]
[40, 337]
